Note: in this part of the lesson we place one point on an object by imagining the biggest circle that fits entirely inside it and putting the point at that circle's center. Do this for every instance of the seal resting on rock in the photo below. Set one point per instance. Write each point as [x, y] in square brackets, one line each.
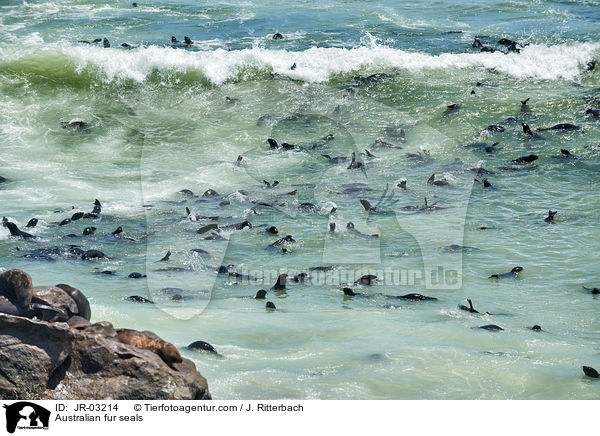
[149, 341]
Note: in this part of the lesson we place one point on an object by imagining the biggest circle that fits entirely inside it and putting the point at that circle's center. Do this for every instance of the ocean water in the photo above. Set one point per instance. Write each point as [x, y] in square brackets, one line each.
[164, 118]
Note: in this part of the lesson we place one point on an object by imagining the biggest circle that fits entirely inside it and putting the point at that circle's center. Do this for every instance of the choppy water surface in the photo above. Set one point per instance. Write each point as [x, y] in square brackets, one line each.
[163, 119]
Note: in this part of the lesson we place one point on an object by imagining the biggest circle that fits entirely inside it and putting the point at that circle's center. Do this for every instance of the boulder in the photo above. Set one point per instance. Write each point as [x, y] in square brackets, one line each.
[50, 350]
[50, 360]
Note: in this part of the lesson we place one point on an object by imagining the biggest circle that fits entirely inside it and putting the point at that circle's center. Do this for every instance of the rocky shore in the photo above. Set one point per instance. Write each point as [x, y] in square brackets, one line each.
[50, 350]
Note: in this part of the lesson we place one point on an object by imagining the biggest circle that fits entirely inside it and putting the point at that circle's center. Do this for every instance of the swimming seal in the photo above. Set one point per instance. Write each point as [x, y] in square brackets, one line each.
[595, 291]
[510, 45]
[210, 193]
[527, 130]
[561, 126]
[274, 145]
[590, 65]
[280, 283]
[279, 242]
[383, 144]
[468, 309]
[207, 228]
[512, 273]
[416, 297]
[32, 222]
[336, 159]
[136, 275]
[487, 184]
[451, 108]
[566, 153]
[441, 182]
[200, 252]
[350, 293]
[420, 156]
[77, 123]
[300, 278]
[590, 372]
[492, 328]
[495, 128]
[202, 346]
[238, 226]
[16, 232]
[95, 213]
[277, 36]
[93, 254]
[351, 229]
[453, 248]
[270, 306]
[367, 279]
[354, 164]
[550, 217]
[89, 231]
[526, 159]
[261, 294]
[395, 132]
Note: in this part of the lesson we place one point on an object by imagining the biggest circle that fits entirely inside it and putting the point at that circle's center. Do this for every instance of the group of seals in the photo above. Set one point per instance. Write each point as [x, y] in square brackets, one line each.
[61, 303]
[280, 285]
[511, 46]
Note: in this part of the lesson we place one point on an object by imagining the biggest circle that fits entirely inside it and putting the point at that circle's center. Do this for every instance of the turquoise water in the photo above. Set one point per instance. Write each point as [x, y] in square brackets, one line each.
[159, 121]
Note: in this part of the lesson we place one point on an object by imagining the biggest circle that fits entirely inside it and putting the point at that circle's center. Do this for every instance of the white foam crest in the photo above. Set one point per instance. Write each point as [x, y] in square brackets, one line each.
[320, 64]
